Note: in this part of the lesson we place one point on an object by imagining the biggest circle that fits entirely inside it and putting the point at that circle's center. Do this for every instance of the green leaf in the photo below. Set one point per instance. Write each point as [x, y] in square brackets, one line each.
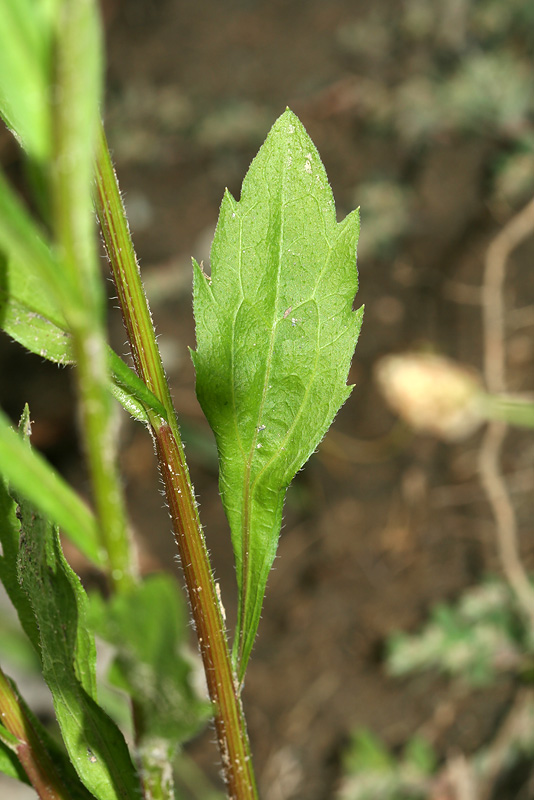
[33, 331]
[44, 338]
[148, 625]
[25, 67]
[95, 745]
[33, 289]
[29, 316]
[50, 768]
[367, 753]
[9, 541]
[34, 320]
[275, 337]
[39, 335]
[28, 473]
[132, 392]
[9, 763]
[30, 261]
[34, 286]
[419, 754]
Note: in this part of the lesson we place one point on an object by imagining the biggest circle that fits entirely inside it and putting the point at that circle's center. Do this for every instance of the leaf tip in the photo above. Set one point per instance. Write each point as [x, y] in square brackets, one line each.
[25, 424]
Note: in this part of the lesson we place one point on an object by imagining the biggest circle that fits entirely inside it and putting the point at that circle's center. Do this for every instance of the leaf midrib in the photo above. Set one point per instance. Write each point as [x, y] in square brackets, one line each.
[247, 489]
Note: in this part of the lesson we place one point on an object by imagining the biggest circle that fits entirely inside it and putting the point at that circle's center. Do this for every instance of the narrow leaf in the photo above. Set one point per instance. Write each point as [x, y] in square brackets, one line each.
[29, 473]
[95, 745]
[38, 758]
[9, 542]
[38, 748]
[34, 320]
[22, 241]
[275, 337]
[25, 66]
[9, 764]
[33, 290]
[132, 392]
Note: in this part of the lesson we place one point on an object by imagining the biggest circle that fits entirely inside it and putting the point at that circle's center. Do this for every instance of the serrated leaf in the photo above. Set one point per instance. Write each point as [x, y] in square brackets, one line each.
[275, 337]
[95, 745]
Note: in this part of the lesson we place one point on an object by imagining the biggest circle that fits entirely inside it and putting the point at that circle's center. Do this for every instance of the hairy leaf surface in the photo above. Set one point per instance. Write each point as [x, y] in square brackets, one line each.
[275, 336]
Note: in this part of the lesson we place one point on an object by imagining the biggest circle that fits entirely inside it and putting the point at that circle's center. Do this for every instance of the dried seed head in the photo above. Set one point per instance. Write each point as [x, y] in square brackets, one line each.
[432, 394]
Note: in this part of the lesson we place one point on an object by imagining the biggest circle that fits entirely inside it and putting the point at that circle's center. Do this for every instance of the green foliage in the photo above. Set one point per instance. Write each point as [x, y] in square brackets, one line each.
[147, 626]
[40, 293]
[373, 773]
[67, 652]
[9, 763]
[367, 753]
[474, 639]
[29, 473]
[275, 336]
[62, 773]
[514, 174]
[275, 332]
[432, 76]
[488, 92]
[477, 68]
[16, 651]
[26, 69]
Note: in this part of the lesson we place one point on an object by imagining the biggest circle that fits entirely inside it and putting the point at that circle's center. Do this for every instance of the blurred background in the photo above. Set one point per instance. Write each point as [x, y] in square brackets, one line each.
[423, 114]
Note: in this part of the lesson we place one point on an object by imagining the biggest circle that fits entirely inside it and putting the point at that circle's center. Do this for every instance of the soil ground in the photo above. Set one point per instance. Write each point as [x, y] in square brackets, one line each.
[381, 524]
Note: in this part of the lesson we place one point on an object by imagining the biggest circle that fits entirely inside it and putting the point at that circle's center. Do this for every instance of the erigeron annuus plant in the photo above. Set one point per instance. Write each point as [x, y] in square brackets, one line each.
[275, 335]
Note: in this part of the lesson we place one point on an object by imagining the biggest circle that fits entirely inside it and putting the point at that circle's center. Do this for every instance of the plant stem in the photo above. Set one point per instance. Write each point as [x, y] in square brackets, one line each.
[31, 752]
[156, 760]
[222, 685]
[511, 410]
[75, 121]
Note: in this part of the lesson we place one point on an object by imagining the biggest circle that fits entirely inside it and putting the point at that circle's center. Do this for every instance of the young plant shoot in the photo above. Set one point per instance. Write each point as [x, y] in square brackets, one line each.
[276, 332]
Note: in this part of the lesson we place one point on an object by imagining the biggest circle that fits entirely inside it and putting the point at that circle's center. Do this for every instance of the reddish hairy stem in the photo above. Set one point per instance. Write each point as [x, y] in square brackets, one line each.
[222, 684]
